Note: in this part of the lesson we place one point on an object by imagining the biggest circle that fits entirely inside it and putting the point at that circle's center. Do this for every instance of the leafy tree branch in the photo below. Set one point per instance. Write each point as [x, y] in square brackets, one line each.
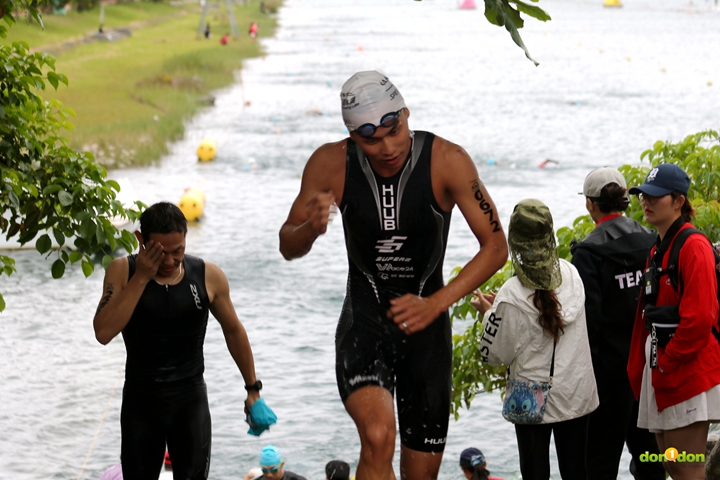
[47, 188]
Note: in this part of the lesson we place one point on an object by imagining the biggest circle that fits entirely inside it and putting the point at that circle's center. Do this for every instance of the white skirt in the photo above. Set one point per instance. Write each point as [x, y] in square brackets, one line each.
[700, 408]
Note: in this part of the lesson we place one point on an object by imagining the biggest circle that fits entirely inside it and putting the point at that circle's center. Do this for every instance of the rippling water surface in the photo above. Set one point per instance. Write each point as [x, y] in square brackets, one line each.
[610, 83]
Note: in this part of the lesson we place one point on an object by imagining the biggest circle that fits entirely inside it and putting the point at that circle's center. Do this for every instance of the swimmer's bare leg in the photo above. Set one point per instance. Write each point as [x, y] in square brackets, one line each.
[373, 411]
[415, 465]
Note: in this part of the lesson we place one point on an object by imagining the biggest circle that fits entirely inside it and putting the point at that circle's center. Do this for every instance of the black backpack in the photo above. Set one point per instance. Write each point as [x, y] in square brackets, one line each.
[673, 271]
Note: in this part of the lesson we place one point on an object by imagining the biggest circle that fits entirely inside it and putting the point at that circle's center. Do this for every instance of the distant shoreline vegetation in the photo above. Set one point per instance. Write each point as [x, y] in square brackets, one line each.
[133, 85]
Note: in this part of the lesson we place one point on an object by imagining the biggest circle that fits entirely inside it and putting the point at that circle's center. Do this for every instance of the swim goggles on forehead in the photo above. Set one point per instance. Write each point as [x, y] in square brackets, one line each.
[388, 120]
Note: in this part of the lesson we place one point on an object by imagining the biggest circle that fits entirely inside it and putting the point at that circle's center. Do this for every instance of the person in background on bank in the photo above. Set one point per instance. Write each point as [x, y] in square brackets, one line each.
[253, 30]
[675, 372]
[160, 299]
[396, 190]
[611, 261]
[272, 465]
[474, 465]
[536, 325]
[337, 470]
[207, 31]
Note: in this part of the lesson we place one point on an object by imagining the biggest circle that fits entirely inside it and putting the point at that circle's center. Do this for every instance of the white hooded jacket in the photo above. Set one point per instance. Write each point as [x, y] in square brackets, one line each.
[512, 336]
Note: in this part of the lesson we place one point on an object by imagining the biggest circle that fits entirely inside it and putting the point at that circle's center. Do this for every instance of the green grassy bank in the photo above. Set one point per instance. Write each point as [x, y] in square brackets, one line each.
[132, 95]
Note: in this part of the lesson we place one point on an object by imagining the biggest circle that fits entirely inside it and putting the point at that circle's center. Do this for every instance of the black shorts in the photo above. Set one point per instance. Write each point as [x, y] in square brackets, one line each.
[176, 415]
[372, 350]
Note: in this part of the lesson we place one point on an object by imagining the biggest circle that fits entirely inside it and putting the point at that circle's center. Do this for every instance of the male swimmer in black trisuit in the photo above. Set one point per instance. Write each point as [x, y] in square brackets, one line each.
[395, 190]
[159, 299]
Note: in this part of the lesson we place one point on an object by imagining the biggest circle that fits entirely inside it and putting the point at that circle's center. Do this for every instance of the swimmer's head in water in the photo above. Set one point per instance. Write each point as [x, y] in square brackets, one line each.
[367, 98]
[270, 456]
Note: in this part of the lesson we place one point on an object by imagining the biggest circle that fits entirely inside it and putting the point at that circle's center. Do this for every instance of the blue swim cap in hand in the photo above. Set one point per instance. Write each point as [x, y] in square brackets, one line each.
[260, 418]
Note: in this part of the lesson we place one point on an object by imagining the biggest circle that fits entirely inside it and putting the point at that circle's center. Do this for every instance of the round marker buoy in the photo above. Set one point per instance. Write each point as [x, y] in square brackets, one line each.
[207, 150]
[192, 204]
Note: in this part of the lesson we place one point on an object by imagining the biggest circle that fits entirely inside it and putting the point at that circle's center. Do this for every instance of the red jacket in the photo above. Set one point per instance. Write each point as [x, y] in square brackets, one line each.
[691, 360]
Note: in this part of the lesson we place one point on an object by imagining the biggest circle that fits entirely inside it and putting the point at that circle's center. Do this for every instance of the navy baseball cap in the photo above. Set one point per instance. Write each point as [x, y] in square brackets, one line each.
[663, 180]
[471, 457]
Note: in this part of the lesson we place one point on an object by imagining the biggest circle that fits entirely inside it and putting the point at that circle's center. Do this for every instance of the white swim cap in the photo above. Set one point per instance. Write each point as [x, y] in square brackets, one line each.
[366, 97]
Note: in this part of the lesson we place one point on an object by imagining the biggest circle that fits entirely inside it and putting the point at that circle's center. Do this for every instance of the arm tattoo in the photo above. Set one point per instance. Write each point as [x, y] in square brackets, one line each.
[105, 299]
[484, 205]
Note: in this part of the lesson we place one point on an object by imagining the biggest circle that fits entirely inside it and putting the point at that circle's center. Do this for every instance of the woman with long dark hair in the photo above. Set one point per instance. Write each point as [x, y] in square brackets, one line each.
[674, 364]
[536, 326]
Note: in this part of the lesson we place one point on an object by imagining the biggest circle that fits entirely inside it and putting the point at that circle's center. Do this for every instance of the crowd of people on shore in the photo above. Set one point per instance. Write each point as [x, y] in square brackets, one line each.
[587, 363]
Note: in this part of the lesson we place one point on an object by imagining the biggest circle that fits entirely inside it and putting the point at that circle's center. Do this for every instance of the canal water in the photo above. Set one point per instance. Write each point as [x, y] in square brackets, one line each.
[610, 83]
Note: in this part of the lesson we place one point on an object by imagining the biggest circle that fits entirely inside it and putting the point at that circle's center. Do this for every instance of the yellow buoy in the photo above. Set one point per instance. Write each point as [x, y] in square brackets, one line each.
[207, 149]
[192, 204]
[612, 3]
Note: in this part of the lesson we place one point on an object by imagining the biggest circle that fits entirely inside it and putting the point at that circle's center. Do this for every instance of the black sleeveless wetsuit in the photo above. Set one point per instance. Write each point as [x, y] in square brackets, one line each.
[395, 233]
[165, 398]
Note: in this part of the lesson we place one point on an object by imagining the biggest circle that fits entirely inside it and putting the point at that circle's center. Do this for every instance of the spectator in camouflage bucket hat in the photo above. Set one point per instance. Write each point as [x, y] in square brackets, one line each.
[536, 326]
[532, 246]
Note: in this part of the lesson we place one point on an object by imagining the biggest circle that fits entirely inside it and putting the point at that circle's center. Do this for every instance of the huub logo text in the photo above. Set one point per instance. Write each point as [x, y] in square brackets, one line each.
[388, 208]
[435, 441]
[194, 291]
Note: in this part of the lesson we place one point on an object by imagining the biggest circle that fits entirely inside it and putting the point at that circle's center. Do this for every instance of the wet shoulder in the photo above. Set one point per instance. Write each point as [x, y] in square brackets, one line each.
[118, 270]
[445, 152]
[326, 168]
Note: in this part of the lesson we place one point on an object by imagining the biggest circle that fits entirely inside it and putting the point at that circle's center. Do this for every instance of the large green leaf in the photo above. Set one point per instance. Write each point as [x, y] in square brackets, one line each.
[58, 269]
[87, 268]
[59, 237]
[43, 243]
[65, 198]
[499, 12]
[106, 260]
[532, 10]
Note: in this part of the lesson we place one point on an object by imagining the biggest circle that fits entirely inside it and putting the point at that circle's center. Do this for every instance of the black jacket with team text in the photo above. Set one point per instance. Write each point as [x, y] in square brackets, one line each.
[611, 261]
